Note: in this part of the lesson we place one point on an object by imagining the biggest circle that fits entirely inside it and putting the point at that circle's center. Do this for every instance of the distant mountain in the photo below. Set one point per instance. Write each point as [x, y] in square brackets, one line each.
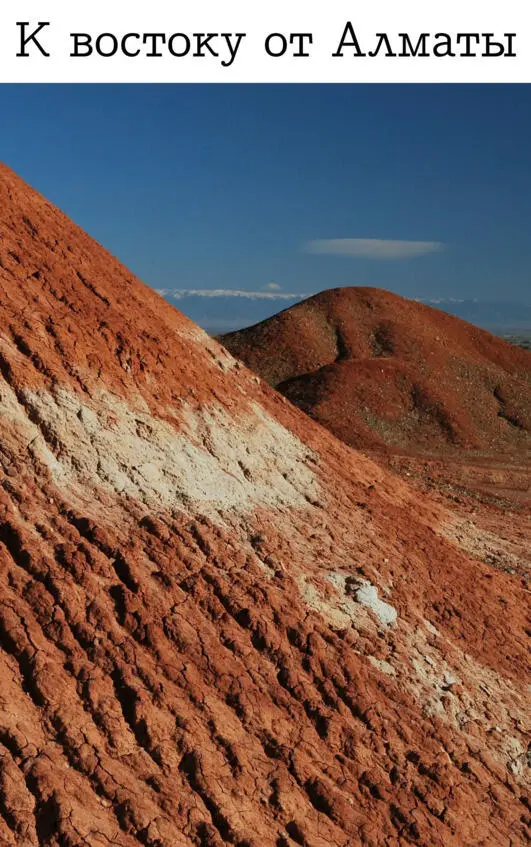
[383, 372]
[489, 314]
[226, 313]
[223, 314]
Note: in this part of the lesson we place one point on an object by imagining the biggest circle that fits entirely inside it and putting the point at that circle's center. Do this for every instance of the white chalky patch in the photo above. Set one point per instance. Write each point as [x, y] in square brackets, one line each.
[367, 595]
[353, 597]
[213, 461]
[362, 592]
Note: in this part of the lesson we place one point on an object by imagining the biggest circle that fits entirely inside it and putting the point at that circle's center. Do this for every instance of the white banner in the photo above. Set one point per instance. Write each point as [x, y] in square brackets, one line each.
[276, 41]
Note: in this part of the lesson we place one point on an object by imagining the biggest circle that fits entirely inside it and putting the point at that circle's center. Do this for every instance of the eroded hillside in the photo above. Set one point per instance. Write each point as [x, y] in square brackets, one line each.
[218, 624]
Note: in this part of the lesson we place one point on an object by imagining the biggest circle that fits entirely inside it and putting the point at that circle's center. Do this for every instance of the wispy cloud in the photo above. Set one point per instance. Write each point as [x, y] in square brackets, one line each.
[273, 286]
[443, 300]
[181, 293]
[372, 248]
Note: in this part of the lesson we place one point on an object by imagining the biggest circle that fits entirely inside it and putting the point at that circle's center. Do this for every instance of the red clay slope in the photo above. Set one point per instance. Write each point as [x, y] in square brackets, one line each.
[218, 624]
[381, 371]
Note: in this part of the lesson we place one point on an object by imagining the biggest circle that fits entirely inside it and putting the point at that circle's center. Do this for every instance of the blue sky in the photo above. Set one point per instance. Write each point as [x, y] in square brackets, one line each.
[230, 187]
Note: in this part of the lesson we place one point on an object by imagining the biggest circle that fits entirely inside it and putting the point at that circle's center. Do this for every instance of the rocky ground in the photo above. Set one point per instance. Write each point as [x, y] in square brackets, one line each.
[219, 624]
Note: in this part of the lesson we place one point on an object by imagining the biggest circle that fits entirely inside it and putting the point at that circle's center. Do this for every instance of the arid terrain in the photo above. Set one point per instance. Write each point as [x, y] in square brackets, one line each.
[219, 624]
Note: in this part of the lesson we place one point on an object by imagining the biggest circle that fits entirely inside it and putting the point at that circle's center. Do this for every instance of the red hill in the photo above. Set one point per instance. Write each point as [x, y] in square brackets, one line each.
[383, 372]
[218, 624]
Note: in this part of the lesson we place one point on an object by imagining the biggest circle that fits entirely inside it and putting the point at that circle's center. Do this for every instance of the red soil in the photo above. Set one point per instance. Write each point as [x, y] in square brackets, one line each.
[383, 372]
[192, 649]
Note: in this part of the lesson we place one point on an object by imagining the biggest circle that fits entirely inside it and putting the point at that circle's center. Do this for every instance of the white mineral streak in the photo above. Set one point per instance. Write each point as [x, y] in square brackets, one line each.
[208, 460]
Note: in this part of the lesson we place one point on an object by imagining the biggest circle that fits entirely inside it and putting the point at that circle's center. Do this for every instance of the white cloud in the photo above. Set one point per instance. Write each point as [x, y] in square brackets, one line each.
[273, 286]
[373, 248]
[181, 293]
[441, 300]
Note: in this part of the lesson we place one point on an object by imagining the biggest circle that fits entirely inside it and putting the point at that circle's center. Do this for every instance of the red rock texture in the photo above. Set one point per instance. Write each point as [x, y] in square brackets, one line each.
[219, 624]
[383, 372]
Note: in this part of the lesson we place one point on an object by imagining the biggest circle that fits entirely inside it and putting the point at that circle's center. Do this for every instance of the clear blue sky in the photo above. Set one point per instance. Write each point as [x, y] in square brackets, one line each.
[223, 186]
